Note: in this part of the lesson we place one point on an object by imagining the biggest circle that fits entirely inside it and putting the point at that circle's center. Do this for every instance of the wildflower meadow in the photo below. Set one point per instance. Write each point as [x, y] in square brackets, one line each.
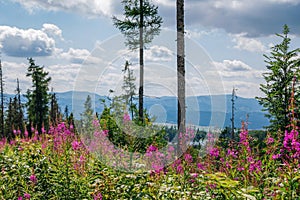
[60, 165]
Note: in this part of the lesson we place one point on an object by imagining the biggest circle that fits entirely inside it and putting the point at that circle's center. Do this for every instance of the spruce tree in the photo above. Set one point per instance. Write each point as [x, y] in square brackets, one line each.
[9, 121]
[140, 24]
[19, 118]
[129, 88]
[282, 67]
[38, 97]
[54, 110]
[66, 113]
[87, 116]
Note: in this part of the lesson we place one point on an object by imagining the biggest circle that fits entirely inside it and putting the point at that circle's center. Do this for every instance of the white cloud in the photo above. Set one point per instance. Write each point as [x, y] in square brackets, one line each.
[294, 2]
[158, 54]
[86, 7]
[63, 76]
[52, 31]
[13, 71]
[154, 53]
[75, 55]
[233, 65]
[18, 42]
[248, 44]
[240, 75]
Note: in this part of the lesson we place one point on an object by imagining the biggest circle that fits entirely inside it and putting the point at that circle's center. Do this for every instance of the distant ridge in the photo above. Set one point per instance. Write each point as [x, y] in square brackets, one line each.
[165, 108]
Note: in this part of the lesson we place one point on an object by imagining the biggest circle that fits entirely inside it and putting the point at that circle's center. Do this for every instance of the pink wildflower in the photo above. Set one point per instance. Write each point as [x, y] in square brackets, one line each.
[75, 145]
[26, 134]
[151, 148]
[98, 196]
[232, 152]
[27, 196]
[276, 156]
[126, 118]
[33, 178]
[179, 169]
[270, 140]
[200, 166]
[214, 152]
[188, 158]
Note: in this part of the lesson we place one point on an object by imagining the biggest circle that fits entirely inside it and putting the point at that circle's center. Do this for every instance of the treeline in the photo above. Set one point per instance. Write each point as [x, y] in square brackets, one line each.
[42, 109]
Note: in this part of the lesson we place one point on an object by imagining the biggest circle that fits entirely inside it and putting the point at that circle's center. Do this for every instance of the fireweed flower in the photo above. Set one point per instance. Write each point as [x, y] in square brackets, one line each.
[75, 145]
[126, 118]
[214, 152]
[27, 196]
[188, 158]
[276, 156]
[200, 166]
[270, 140]
[98, 196]
[255, 166]
[33, 178]
[232, 152]
[157, 168]
[26, 134]
[179, 169]
[240, 168]
[20, 198]
[151, 148]
[291, 143]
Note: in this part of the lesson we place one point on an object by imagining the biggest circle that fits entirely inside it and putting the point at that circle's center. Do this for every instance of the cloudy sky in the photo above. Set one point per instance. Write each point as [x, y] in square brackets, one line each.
[82, 50]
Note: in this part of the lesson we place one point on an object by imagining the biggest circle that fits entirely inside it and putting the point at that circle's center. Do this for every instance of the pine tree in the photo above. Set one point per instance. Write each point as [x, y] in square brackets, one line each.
[140, 24]
[38, 97]
[282, 66]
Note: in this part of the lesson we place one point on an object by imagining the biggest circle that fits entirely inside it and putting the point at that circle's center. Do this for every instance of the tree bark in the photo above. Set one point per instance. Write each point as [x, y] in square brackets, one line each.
[181, 118]
[2, 102]
[141, 87]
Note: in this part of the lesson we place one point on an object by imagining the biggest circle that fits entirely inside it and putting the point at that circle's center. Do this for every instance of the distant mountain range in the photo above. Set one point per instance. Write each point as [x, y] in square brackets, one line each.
[201, 110]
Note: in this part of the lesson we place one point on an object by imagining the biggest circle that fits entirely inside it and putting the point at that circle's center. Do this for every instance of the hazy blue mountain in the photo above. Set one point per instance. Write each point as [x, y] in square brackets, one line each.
[201, 110]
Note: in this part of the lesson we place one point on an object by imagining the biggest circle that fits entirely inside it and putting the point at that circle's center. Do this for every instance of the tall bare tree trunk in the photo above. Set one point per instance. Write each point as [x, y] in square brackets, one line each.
[2, 103]
[181, 120]
[141, 87]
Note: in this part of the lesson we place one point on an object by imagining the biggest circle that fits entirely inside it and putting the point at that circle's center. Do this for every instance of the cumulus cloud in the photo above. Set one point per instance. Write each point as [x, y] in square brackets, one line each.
[89, 8]
[75, 55]
[52, 31]
[63, 76]
[248, 44]
[18, 42]
[154, 53]
[158, 54]
[237, 69]
[255, 18]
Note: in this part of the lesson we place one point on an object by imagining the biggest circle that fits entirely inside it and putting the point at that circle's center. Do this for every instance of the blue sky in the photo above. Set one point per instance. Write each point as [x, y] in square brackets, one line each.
[82, 50]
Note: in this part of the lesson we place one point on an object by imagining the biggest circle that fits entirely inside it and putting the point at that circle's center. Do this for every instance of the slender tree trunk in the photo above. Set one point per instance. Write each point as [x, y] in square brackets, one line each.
[232, 113]
[141, 88]
[2, 102]
[181, 119]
